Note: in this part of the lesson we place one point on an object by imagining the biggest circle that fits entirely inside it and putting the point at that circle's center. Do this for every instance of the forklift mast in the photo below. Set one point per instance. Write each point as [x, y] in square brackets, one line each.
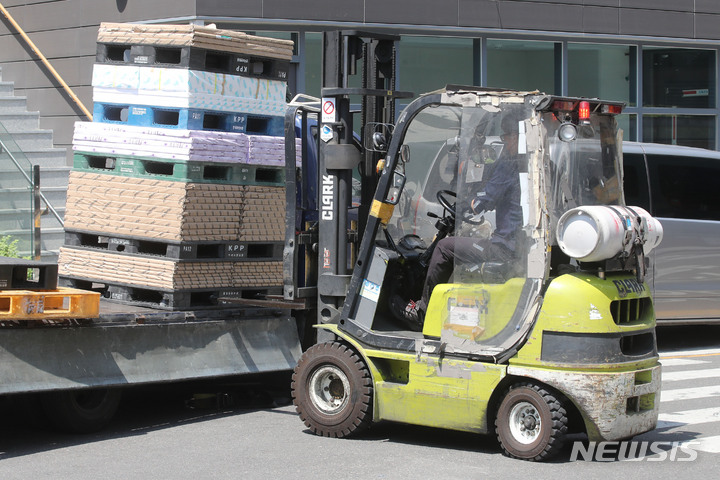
[330, 213]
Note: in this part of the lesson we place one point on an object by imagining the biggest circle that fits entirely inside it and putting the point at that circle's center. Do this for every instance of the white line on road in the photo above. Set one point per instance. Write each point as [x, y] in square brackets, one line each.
[690, 374]
[689, 393]
[705, 444]
[688, 417]
[678, 362]
[690, 353]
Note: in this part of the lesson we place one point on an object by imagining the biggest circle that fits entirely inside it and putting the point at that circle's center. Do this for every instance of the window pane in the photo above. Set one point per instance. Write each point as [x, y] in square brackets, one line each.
[430, 63]
[635, 181]
[521, 65]
[688, 130]
[685, 187]
[313, 70]
[675, 77]
[628, 124]
[599, 71]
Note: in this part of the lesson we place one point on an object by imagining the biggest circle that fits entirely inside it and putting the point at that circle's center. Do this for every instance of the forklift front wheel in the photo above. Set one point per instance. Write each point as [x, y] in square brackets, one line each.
[531, 423]
[332, 390]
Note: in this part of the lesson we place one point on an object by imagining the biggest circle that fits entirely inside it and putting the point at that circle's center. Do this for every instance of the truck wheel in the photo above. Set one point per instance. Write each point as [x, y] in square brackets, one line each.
[531, 423]
[81, 411]
[332, 390]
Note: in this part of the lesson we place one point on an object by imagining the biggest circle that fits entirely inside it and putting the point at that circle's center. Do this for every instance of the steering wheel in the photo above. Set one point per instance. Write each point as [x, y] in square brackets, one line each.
[445, 203]
[466, 216]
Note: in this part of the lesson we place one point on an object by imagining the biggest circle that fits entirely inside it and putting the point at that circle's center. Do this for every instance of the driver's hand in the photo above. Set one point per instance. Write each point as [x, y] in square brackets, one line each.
[464, 207]
[479, 205]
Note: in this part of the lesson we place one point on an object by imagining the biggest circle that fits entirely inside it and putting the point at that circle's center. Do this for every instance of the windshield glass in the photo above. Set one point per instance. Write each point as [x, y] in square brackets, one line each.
[491, 302]
[586, 170]
[431, 166]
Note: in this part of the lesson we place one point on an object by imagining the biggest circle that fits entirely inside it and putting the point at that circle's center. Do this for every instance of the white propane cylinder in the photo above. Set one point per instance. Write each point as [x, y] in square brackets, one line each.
[599, 232]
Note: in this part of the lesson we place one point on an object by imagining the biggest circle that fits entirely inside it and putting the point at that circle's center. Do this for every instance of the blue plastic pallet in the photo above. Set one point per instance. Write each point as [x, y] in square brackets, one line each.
[188, 119]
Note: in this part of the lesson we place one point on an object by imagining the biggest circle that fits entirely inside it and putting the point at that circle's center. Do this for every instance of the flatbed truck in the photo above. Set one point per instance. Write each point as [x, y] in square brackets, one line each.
[77, 366]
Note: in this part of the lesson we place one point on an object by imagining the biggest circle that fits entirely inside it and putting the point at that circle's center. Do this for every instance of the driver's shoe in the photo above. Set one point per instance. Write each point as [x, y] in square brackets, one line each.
[407, 312]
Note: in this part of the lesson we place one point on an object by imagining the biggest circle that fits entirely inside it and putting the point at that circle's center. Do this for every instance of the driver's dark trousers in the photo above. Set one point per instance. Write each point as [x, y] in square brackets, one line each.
[464, 251]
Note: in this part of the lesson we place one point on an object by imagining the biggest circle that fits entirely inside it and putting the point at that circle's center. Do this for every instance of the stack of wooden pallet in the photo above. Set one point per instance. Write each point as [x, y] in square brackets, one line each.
[176, 197]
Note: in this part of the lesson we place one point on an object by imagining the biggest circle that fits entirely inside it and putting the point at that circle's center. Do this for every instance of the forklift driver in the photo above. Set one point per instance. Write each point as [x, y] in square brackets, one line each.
[500, 193]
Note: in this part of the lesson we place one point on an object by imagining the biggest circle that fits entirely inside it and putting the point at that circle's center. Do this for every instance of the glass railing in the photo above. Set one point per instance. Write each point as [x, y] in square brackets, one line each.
[16, 197]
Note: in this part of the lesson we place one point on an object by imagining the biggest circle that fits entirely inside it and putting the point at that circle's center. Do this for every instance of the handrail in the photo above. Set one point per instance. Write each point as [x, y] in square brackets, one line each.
[3, 148]
[45, 61]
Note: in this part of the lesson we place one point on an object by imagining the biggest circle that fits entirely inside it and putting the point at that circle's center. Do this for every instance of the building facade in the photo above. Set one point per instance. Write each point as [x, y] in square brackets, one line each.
[660, 57]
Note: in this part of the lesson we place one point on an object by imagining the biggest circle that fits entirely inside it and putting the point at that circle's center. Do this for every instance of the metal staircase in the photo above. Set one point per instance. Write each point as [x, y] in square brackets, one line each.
[22, 145]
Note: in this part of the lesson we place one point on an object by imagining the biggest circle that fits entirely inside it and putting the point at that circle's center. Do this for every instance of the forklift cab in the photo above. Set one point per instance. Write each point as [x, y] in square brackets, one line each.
[522, 159]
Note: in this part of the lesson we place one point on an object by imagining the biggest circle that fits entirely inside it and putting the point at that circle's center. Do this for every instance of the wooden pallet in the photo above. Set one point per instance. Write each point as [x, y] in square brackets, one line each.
[48, 304]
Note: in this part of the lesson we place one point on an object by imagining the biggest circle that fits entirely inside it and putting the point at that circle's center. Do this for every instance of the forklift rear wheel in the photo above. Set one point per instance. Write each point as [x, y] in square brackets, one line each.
[332, 390]
[531, 423]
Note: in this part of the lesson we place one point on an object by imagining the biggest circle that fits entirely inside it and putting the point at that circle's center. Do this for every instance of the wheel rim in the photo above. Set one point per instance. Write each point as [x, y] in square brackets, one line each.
[329, 389]
[525, 423]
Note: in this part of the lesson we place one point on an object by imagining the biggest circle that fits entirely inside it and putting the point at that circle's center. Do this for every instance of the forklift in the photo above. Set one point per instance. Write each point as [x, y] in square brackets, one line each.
[556, 336]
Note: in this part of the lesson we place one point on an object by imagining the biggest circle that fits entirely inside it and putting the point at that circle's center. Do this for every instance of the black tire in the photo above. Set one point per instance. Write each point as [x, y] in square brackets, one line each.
[531, 423]
[81, 411]
[332, 390]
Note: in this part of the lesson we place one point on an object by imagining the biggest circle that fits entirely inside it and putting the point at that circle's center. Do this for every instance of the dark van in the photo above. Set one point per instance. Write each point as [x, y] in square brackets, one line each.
[680, 186]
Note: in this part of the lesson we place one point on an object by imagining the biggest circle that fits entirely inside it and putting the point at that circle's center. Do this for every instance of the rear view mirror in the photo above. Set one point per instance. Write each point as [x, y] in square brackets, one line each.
[377, 136]
[405, 153]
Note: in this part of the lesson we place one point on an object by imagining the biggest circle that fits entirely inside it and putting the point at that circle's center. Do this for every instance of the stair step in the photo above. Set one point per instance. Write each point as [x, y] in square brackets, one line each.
[12, 104]
[47, 157]
[28, 140]
[54, 177]
[7, 89]
[21, 196]
[19, 121]
[49, 176]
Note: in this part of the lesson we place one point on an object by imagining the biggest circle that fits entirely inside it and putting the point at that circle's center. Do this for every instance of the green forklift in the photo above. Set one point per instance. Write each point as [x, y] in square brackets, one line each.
[552, 334]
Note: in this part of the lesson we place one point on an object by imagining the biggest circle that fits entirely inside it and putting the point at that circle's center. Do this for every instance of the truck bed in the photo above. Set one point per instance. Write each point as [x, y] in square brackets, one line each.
[129, 344]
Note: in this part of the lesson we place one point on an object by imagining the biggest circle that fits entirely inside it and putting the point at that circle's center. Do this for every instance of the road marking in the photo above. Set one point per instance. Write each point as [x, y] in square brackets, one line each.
[673, 395]
[690, 374]
[707, 352]
[705, 444]
[694, 417]
[681, 420]
[677, 362]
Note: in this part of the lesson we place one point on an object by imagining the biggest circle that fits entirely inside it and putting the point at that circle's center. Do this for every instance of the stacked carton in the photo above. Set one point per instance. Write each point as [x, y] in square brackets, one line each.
[177, 195]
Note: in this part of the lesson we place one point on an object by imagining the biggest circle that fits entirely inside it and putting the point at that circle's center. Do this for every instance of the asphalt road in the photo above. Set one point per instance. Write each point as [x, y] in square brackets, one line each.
[251, 431]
